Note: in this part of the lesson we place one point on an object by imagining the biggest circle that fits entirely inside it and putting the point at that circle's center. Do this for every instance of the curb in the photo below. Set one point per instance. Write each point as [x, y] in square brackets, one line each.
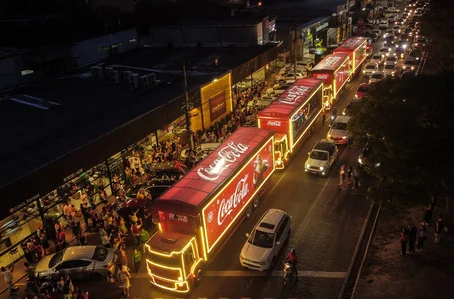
[355, 254]
[367, 250]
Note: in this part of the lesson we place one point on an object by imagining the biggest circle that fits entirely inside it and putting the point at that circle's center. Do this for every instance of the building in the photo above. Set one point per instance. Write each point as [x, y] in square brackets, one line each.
[65, 139]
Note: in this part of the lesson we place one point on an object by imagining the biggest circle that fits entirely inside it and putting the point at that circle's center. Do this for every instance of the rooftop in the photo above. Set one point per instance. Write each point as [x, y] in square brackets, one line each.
[41, 123]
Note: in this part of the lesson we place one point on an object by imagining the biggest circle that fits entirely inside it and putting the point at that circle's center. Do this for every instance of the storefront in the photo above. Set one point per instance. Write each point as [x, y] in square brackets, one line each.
[216, 100]
[314, 36]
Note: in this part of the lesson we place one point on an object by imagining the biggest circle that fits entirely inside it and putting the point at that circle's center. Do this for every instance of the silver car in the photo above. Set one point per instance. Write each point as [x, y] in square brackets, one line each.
[389, 70]
[370, 68]
[377, 77]
[378, 58]
[77, 261]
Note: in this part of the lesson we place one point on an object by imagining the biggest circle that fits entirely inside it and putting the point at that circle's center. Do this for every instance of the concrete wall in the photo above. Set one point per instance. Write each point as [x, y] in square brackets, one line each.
[10, 73]
[92, 50]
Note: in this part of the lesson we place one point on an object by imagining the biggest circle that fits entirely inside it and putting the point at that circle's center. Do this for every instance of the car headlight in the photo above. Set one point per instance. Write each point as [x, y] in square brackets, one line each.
[392, 73]
[329, 135]
[360, 161]
[321, 168]
[412, 68]
[344, 137]
[308, 166]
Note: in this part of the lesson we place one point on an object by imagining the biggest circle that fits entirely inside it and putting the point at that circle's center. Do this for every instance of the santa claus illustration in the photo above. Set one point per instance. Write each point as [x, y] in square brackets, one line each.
[260, 168]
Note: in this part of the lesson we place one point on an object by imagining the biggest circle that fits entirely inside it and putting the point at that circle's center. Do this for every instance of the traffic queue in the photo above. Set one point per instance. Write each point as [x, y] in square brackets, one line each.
[198, 213]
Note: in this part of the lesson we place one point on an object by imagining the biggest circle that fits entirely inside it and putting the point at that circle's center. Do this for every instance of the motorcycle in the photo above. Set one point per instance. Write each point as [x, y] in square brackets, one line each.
[288, 273]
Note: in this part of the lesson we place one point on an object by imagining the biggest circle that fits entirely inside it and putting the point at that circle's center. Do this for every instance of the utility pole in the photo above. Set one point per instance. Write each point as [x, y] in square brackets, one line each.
[187, 108]
[294, 50]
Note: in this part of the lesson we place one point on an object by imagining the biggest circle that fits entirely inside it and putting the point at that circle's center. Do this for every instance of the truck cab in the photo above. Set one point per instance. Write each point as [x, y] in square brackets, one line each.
[281, 150]
[173, 261]
[321, 158]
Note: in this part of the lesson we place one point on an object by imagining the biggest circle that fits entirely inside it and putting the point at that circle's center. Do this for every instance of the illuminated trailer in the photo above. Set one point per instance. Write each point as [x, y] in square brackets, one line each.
[334, 70]
[292, 116]
[356, 47]
[197, 214]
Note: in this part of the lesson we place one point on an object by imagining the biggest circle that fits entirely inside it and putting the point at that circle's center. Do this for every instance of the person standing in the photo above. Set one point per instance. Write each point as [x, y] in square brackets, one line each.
[421, 238]
[341, 177]
[428, 213]
[8, 276]
[135, 230]
[124, 277]
[439, 229]
[403, 241]
[412, 233]
[136, 259]
[323, 116]
[144, 237]
[349, 175]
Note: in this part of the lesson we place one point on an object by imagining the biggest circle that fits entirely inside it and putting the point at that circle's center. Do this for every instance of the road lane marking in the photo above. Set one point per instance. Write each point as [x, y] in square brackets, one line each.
[245, 273]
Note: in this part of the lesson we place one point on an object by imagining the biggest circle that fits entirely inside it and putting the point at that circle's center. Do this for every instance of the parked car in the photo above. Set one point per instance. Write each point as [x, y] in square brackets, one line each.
[363, 88]
[377, 77]
[321, 157]
[266, 241]
[77, 261]
[364, 158]
[338, 132]
[370, 68]
[416, 54]
[281, 89]
[383, 24]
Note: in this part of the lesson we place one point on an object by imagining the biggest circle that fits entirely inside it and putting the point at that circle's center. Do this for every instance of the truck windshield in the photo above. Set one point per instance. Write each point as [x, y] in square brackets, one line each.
[262, 239]
[318, 155]
[172, 261]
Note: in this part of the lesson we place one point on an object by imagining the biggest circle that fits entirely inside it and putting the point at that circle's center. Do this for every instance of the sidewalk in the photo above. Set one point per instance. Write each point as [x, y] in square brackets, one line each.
[386, 274]
[19, 272]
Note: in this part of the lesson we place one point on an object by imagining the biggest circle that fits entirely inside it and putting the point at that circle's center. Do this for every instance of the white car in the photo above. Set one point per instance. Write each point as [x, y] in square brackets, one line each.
[290, 77]
[321, 158]
[76, 261]
[339, 133]
[377, 31]
[383, 24]
[377, 77]
[378, 58]
[389, 69]
[384, 51]
[266, 241]
[391, 59]
[370, 68]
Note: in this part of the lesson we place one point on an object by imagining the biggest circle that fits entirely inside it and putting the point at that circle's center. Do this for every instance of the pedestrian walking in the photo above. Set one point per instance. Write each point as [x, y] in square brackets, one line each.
[412, 233]
[349, 174]
[8, 276]
[323, 116]
[341, 176]
[124, 277]
[421, 238]
[136, 259]
[355, 176]
[439, 229]
[403, 241]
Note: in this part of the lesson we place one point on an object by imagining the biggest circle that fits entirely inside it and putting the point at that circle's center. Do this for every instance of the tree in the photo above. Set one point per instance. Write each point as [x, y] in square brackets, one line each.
[437, 24]
[408, 125]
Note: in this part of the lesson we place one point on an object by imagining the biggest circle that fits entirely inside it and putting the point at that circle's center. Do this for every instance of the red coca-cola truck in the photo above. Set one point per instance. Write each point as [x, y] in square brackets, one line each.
[197, 214]
[292, 116]
[356, 47]
[334, 70]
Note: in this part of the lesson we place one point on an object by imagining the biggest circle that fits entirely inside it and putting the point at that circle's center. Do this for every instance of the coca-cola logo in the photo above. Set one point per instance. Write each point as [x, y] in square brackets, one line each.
[321, 76]
[275, 123]
[217, 107]
[226, 156]
[294, 94]
[228, 205]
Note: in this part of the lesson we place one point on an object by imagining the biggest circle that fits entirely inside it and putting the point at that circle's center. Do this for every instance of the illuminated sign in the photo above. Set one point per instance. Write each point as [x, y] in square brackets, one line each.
[275, 123]
[321, 76]
[176, 217]
[294, 93]
[224, 209]
[323, 26]
[226, 156]
[217, 106]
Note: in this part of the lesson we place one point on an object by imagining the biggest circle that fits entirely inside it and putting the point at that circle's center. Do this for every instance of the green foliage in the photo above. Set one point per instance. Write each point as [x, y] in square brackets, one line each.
[409, 125]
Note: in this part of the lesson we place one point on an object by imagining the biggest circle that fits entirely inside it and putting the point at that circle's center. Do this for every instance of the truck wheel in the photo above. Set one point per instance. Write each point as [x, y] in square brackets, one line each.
[256, 202]
[249, 211]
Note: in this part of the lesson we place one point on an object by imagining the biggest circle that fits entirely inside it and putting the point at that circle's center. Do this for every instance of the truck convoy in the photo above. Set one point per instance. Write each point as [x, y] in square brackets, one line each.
[335, 72]
[197, 214]
[356, 48]
[292, 116]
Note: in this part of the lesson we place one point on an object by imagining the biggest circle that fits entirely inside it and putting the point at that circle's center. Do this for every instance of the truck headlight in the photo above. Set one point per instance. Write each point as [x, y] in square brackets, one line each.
[321, 168]
[392, 73]
[308, 166]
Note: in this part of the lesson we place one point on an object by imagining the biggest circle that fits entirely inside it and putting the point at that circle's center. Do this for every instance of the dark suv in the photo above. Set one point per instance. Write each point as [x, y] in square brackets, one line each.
[364, 158]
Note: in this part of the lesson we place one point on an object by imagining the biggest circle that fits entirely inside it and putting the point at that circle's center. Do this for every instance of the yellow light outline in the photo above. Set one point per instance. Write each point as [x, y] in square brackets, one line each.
[345, 82]
[292, 145]
[159, 226]
[203, 244]
[175, 289]
[247, 203]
